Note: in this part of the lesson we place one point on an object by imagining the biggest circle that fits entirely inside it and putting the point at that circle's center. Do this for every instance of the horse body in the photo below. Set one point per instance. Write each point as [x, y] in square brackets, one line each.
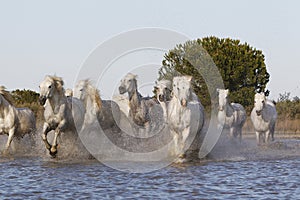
[15, 122]
[106, 112]
[61, 113]
[185, 114]
[142, 110]
[263, 117]
[231, 115]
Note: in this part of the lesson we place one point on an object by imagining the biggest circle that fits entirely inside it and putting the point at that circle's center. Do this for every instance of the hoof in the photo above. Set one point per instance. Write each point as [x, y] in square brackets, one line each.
[53, 151]
[5, 153]
[53, 154]
[180, 161]
[182, 156]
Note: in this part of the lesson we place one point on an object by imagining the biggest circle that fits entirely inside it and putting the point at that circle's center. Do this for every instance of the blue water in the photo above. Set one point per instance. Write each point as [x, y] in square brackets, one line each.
[35, 178]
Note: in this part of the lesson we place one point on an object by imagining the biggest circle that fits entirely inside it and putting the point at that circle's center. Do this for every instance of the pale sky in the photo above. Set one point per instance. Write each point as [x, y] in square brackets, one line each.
[55, 37]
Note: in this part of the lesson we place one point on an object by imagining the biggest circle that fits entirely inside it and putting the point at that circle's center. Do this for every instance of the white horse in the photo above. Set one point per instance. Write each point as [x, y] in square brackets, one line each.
[163, 90]
[263, 117]
[231, 116]
[15, 122]
[61, 114]
[185, 114]
[69, 92]
[107, 112]
[142, 110]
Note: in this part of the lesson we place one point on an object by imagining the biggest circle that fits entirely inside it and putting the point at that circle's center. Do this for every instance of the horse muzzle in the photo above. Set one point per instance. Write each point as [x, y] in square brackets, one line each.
[122, 90]
[42, 100]
[183, 102]
[258, 112]
[161, 97]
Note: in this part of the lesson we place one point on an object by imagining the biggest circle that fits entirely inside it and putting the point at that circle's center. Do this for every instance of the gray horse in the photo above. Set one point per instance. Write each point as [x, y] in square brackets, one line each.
[144, 112]
[231, 116]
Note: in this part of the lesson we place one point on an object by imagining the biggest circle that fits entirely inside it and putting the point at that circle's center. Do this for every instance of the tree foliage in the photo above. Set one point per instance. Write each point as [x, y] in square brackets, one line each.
[241, 66]
[25, 96]
[287, 107]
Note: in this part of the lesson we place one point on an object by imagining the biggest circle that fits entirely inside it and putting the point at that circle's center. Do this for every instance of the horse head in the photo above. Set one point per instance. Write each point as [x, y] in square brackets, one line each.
[49, 86]
[182, 89]
[128, 83]
[223, 98]
[163, 90]
[5, 95]
[84, 89]
[259, 102]
[68, 92]
[80, 90]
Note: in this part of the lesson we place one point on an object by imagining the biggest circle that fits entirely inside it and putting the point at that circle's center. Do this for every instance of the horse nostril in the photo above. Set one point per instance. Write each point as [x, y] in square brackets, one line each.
[42, 100]
[122, 90]
[161, 97]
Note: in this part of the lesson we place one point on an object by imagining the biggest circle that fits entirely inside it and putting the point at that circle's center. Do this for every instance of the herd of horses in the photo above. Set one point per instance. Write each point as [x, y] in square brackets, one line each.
[175, 104]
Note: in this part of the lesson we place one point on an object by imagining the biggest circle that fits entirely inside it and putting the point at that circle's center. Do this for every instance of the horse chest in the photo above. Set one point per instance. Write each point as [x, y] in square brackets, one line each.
[179, 118]
[259, 123]
[228, 120]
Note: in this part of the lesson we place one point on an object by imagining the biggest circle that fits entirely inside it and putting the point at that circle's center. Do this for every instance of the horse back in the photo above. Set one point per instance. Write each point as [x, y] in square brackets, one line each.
[241, 112]
[26, 120]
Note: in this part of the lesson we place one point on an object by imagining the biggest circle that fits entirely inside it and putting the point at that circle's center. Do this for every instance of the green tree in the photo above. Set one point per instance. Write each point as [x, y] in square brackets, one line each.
[24, 96]
[241, 66]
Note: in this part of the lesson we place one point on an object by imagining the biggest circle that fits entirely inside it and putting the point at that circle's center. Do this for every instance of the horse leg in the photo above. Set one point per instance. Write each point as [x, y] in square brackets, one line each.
[232, 132]
[257, 138]
[185, 134]
[53, 150]
[46, 129]
[176, 140]
[272, 129]
[9, 140]
[267, 136]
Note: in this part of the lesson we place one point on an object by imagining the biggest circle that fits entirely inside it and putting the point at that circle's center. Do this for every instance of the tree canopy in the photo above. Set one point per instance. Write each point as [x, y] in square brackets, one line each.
[25, 96]
[241, 67]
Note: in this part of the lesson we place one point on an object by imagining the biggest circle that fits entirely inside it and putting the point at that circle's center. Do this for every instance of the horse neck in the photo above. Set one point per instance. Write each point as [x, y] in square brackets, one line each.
[57, 100]
[164, 106]
[228, 109]
[4, 105]
[134, 99]
[90, 105]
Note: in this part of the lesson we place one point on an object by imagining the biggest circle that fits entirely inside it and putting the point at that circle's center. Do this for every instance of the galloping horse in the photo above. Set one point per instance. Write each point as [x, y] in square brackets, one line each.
[163, 90]
[107, 112]
[263, 117]
[231, 115]
[61, 113]
[15, 122]
[185, 114]
[143, 110]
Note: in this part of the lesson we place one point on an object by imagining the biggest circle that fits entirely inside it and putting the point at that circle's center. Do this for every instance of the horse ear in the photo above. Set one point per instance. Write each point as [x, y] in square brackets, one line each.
[59, 83]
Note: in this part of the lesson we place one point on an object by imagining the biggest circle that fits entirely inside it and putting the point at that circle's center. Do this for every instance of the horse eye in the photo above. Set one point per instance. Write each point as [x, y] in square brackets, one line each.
[80, 90]
[49, 86]
[263, 101]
